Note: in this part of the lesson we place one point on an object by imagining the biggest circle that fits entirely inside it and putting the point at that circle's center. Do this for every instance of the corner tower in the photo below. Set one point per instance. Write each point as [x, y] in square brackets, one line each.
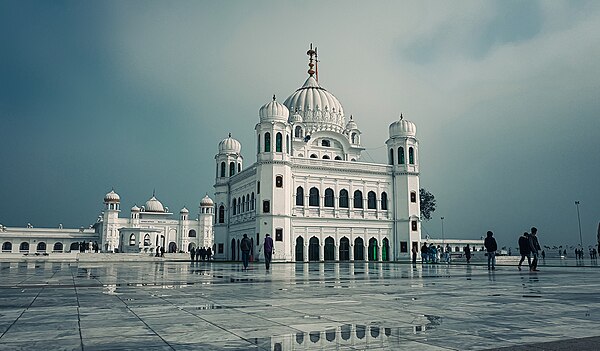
[402, 149]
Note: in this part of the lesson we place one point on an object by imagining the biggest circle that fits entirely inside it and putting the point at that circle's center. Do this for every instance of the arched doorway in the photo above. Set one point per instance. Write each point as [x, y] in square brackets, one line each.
[359, 249]
[372, 249]
[313, 249]
[329, 250]
[344, 249]
[299, 249]
[233, 249]
[385, 249]
[74, 246]
[172, 246]
[191, 246]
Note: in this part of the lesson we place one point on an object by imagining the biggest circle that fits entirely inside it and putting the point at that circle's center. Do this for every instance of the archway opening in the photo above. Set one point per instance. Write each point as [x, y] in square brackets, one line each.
[299, 249]
[329, 250]
[372, 249]
[313, 249]
[344, 249]
[359, 249]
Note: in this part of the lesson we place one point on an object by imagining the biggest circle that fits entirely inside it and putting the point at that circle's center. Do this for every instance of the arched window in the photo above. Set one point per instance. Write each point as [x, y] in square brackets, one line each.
[344, 198]
[354, 139]
[279, 182]
[258, 144]
[239, 167]
[252, 201]
[300, 196]
[58, 247]
[298, 132]
[221, 214]
[401, 155]
[132, 240]
[326, 157]
[329, 197]
[413, 196]
[24, 246]
[243, 204]
[411, 156]
[266, 206]
[314, 156]
[391, 156]
[371, 200]
[384, 201]
[147, 240]
[267, 142]
[234, 206]
[278, 142]
[239, 205]
[41, 246]
[231, 168]
[313, 197]
[287, 144]
[222, 169]
[414, 225]
[338, 158]
[7, 246]
[192, 233]
[326, 143]
[358, 199]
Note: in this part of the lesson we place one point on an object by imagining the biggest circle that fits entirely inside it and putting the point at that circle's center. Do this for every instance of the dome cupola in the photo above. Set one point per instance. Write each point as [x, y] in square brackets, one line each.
[273, 111]
[153, 205]
[402, 128]
[206, 202]
[351, 124]
[135, 209]
[230, 145]
[184, 210]
[296, 118]
[112, 197]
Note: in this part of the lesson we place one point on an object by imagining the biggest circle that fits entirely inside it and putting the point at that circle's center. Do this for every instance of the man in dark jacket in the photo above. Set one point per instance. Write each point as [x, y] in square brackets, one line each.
[491, 246]
[534, 245]
[245, 246]
[268, 247]
[524, 249]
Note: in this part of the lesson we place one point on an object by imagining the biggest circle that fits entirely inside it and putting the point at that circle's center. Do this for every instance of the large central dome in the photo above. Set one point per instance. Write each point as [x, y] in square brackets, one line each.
[320, 110]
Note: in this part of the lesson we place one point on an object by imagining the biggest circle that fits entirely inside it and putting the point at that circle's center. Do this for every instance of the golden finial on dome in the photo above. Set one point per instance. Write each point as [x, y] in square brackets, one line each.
[311, 53]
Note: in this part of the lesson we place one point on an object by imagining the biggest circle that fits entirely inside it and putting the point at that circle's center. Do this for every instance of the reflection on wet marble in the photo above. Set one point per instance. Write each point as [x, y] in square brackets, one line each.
[327, 306]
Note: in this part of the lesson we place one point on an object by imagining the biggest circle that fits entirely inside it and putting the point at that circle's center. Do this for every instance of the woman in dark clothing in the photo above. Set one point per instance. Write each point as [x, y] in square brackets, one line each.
[524, 249]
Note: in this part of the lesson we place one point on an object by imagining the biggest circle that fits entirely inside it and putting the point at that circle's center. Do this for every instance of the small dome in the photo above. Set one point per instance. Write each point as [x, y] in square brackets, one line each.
[153, 205]
[230, 145]
[112, 197]
[206, 202]
[184, 210]
[403, 128]
[135, 209]
[296, 118]
[273, 111]
[351, 124]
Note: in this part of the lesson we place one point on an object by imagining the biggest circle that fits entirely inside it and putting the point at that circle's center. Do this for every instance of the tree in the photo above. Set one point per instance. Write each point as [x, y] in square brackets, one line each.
[427, 201]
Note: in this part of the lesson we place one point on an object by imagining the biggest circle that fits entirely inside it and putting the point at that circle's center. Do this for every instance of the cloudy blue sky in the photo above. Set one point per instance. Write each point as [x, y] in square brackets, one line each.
[136, 95]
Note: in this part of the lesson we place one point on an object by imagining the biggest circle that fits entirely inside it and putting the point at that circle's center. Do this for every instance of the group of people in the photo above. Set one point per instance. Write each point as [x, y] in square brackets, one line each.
[579, 254]
[529, 247]
[200, 253]
[160, 251]
[433, 254]
[89, 247]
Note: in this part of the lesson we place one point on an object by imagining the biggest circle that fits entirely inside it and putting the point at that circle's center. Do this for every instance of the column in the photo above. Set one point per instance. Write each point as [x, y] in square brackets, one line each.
[336, 253]
[321, 251]
[305, 251]
[351, 251]
[379, 253]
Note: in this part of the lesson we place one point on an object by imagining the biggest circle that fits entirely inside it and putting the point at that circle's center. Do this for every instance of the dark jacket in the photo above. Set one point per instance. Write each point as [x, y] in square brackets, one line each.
[534, 244]
[268, 244]
[245, 244]
[524, 248]
[490, 244]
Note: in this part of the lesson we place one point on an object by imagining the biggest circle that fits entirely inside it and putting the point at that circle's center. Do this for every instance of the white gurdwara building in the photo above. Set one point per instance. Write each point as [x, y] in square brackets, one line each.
[310, 190]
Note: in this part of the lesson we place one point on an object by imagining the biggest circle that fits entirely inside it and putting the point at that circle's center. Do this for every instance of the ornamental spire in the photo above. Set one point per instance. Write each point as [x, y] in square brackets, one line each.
[311, 65]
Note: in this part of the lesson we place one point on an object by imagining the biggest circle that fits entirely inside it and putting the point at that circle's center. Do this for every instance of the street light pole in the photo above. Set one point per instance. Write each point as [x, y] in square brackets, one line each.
[443, 241]
[579, 221]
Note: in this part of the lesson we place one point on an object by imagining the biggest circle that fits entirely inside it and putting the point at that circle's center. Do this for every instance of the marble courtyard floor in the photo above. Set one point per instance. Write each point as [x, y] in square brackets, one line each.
[171, 305]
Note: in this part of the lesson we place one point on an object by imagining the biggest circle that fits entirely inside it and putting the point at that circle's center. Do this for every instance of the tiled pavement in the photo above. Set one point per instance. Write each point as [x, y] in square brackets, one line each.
[346, 306]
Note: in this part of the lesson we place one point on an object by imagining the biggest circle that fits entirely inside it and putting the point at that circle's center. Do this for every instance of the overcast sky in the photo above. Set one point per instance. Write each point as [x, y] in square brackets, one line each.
[136, 95]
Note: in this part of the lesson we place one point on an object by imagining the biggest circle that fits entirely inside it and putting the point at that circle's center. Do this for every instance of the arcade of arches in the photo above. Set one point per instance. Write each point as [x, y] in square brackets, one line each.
[343, 250]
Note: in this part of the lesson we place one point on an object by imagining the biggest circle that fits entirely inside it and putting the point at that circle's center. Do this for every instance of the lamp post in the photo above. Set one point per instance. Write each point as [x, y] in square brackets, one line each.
[443, 241]
[579, 222]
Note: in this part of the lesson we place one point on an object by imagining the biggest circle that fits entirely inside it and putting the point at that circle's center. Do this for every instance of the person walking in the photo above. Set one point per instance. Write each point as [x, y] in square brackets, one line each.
[535, 248]
[467, 251]
[245, 246]
[414, 252]
[208, 253]
[424, 253]
[491, 246]
[192, 254]
[524, 249]
[268, 247]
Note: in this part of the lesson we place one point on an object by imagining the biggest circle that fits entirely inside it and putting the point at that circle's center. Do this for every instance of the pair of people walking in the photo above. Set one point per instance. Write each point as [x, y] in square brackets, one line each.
[529, 247]
[246, 247]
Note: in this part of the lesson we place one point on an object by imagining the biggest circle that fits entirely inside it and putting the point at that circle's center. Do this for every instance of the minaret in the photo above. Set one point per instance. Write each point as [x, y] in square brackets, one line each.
[205, 223]
[402, 149]
[110, 230]
[274, 177]
[228, 164]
